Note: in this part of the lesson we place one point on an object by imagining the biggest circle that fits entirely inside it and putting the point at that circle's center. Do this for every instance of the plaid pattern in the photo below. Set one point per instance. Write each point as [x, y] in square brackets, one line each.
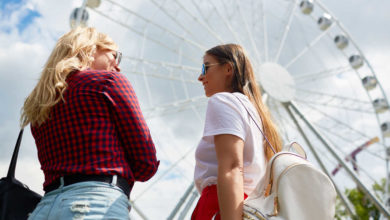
[98, 129]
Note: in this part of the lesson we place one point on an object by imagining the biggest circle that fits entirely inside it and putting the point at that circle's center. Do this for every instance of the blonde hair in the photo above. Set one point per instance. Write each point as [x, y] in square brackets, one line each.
[73, 51]
[243, 81]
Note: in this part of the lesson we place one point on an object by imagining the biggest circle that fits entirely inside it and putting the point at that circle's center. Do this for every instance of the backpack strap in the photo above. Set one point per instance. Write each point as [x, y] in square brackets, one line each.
[250, 115]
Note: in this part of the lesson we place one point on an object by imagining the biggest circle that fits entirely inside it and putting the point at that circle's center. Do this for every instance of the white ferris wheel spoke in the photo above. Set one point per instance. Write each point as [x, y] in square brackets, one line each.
[127, 26]
[160, 76]
[227, 24]
[205, 25]
[167, 171]
[332, 100]
[330, 97]
[343, 124]
[346, 154]
[283, 122]
[250, 33]
[334, 106]
[351, 142]
[286, 30]
[169, 66]
[306, 49]
[148, 21]
[145, 79]
[265, 31]
[164, 64]
[346, 140]
[161, 8]
[322, 75]
[173, 107]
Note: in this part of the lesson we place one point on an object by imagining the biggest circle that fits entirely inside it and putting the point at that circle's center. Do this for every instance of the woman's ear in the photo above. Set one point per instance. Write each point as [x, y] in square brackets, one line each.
[228, 69]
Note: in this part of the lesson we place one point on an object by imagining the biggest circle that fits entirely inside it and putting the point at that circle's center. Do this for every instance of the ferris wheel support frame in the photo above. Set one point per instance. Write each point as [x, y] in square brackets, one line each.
[139, 212]
[181, 201]
[191, 200]
[366, 191]
[344, 200]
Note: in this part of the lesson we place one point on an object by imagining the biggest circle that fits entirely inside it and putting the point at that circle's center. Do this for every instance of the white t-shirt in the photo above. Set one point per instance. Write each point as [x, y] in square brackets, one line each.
[226, 115]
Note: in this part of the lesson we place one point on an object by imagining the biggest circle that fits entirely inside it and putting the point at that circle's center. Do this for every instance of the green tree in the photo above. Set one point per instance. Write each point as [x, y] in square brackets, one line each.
[364, 208]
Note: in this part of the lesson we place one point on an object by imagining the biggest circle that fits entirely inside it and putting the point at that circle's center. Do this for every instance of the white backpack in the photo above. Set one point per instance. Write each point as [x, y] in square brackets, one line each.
[292, 189]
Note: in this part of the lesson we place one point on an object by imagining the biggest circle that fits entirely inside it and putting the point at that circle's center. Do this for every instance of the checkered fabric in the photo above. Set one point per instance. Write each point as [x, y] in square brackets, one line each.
[97, 129]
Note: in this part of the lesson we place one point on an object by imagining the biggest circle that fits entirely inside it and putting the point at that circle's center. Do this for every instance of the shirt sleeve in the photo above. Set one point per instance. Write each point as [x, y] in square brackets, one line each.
[132, 128]
[224, 117]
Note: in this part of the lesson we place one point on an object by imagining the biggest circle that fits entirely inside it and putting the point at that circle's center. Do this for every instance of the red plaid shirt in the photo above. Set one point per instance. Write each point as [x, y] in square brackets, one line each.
[98, 129]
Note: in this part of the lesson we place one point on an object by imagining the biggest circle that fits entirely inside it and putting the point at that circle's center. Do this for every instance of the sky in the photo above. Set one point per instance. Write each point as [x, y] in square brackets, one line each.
[30, 28]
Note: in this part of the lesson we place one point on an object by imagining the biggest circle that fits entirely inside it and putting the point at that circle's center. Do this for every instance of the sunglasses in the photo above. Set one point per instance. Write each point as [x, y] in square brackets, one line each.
[118, 57]
[205, 67]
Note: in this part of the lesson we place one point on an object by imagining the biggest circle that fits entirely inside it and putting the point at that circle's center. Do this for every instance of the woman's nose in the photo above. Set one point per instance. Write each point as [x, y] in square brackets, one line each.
[117, 68]
[200, 78]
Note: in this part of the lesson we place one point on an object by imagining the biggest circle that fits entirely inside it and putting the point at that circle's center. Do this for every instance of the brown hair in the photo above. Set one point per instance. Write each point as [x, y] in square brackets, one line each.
[73, 51]
[243, 81]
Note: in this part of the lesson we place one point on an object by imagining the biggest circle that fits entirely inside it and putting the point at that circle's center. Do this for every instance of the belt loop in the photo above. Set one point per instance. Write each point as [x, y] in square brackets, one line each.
[114, 180]
[62, 181]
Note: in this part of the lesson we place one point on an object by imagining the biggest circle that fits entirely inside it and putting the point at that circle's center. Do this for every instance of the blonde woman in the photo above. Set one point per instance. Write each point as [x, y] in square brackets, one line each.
[91, 137]
[231, 156]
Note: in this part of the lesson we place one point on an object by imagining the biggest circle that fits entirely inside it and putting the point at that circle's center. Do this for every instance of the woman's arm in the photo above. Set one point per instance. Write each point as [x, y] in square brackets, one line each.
[230, 185]
[132, 128]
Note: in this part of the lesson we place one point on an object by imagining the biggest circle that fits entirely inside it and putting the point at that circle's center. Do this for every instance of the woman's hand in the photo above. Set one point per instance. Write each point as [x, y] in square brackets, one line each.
[230, 185]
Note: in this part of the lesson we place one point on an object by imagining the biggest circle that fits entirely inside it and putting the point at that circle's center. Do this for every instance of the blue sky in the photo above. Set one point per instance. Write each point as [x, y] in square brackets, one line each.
[24, 19]
[9, 3]
[27, 19]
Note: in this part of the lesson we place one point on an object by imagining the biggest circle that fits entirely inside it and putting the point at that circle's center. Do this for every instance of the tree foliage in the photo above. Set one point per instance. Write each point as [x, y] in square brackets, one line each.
[364, 208]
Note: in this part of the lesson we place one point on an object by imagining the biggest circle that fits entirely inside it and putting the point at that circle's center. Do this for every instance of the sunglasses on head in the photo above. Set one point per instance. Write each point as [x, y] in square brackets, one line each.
[205, 67]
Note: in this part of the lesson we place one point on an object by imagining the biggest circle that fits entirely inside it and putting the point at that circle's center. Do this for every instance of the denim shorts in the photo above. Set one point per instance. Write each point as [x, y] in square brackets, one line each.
[84, 200]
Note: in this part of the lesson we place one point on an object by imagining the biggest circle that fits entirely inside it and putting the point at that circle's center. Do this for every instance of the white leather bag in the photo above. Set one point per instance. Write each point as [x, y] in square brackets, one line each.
[293, 189]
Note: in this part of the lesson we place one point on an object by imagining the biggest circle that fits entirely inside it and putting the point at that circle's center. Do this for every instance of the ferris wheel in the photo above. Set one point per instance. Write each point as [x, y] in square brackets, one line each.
[317, 82]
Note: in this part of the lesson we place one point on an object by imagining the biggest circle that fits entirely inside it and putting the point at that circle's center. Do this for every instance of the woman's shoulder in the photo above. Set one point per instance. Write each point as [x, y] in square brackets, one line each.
[229, 97]
[89, 76]
[221, 96]
[229, 100]
[101, 74]
[235, 101]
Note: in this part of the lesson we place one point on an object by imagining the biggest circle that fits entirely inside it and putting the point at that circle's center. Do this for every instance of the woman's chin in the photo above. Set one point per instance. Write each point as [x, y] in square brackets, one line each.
[208, 94]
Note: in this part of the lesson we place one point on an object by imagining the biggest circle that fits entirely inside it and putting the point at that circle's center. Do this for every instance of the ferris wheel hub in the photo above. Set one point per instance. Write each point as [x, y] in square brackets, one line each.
[277, 81]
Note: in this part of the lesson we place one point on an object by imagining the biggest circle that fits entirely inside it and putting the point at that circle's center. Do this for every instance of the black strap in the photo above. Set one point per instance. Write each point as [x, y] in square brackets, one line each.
[250, 115]
[76, 178]
[12, 165]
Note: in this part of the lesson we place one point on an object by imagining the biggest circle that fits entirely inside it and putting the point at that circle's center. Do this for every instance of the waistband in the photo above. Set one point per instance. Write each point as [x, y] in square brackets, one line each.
[72, 179]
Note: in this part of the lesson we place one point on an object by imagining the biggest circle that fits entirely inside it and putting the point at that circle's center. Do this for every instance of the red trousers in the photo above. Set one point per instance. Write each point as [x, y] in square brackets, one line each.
[207, 205]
